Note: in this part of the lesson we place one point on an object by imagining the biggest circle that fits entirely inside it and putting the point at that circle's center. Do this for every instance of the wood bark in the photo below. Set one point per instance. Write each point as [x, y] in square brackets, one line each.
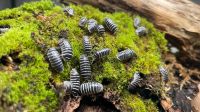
[180, 19]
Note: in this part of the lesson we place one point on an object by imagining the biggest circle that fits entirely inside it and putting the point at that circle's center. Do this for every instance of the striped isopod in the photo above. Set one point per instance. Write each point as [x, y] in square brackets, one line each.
[126, 55]
[69, 11]
[55, 60]
[3, 30]
[92, 25]
[135, 82]
[90, 88]
[102, 53]
[100, 29]
[112, 27]
[86, 45]
[75, 81]
[164, 73]
[66, 49]
[136, 22]
[67, 86]
[83, 22]
[92, 21]
[141, 31]
[85, 67]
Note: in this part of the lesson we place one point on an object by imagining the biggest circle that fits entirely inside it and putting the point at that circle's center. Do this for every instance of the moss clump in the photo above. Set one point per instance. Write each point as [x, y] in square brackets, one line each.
[135, 104]
[29, 86]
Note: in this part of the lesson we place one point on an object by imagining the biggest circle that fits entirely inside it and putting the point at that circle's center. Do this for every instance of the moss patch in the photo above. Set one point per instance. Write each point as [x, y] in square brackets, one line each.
[29, 86]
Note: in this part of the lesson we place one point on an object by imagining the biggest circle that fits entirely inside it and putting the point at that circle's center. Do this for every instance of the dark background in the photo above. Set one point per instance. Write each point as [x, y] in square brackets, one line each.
[12, 3]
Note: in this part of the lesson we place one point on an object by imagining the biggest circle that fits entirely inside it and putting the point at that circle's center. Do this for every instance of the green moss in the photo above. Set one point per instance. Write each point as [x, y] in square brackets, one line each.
[29, 86]
[137, 104]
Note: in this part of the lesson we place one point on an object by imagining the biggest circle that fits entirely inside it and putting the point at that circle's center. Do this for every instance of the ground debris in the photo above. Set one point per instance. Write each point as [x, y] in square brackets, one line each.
[114, 97]
[71, 104]
[182, 87]
[196, 102]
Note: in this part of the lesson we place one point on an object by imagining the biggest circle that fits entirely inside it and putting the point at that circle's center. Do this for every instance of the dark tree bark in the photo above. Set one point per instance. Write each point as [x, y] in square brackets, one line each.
[180, 19]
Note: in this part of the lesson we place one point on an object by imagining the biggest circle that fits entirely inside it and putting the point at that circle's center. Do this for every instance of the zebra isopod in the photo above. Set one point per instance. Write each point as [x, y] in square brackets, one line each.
[66, 49]
[85, 67]
[136, 22]
[83, 22]
[102, 53]
[67, 86]
[126, 55]
[110, 25]
[75, 81]
[135, 82]
[86, 44]
[3, 30]
[69, 11]
[163, 73]
[90, 88]
[141, 31]
[92, 24]
[55, 60]
[100, 29]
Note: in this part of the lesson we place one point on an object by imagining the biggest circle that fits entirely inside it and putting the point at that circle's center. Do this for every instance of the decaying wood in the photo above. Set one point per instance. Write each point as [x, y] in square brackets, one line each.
[180, 19]
[71, 105]
[196, 101]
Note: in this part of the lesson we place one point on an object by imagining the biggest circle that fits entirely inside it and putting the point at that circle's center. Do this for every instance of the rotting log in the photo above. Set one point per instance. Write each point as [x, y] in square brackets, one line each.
[180, 19]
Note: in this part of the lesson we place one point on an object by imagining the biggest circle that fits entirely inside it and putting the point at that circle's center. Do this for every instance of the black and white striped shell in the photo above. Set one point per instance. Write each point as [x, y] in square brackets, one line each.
[92, 24]
[100, 29]
[126, 55]
[102, 53]
[163, 73]
[86, 44]
[67, 86]
[85, 67]
[55, 60]
[110, 25]
[90, 88]
[136, 22]
[69, 11]
[66, 49]
[83, 21]
[75, 81]
[141, 31]
[3, 30]
[135, 82]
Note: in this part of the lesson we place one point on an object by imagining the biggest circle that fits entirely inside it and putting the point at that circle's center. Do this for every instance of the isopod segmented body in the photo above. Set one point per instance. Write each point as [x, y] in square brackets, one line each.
[69, 11]
[100, 29]
[136, 22]
[126, 55]
[90, 88]
[75, 81]
[164, 73]
[66, 49]
[55, 60]
[67, 86]
[3, 30]
[141, 31]
[92, 21]
[135, 82]
[112, 27]
[102, 53]
[83, 22]
[86, 44]
[85, 67]
[92, 25]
